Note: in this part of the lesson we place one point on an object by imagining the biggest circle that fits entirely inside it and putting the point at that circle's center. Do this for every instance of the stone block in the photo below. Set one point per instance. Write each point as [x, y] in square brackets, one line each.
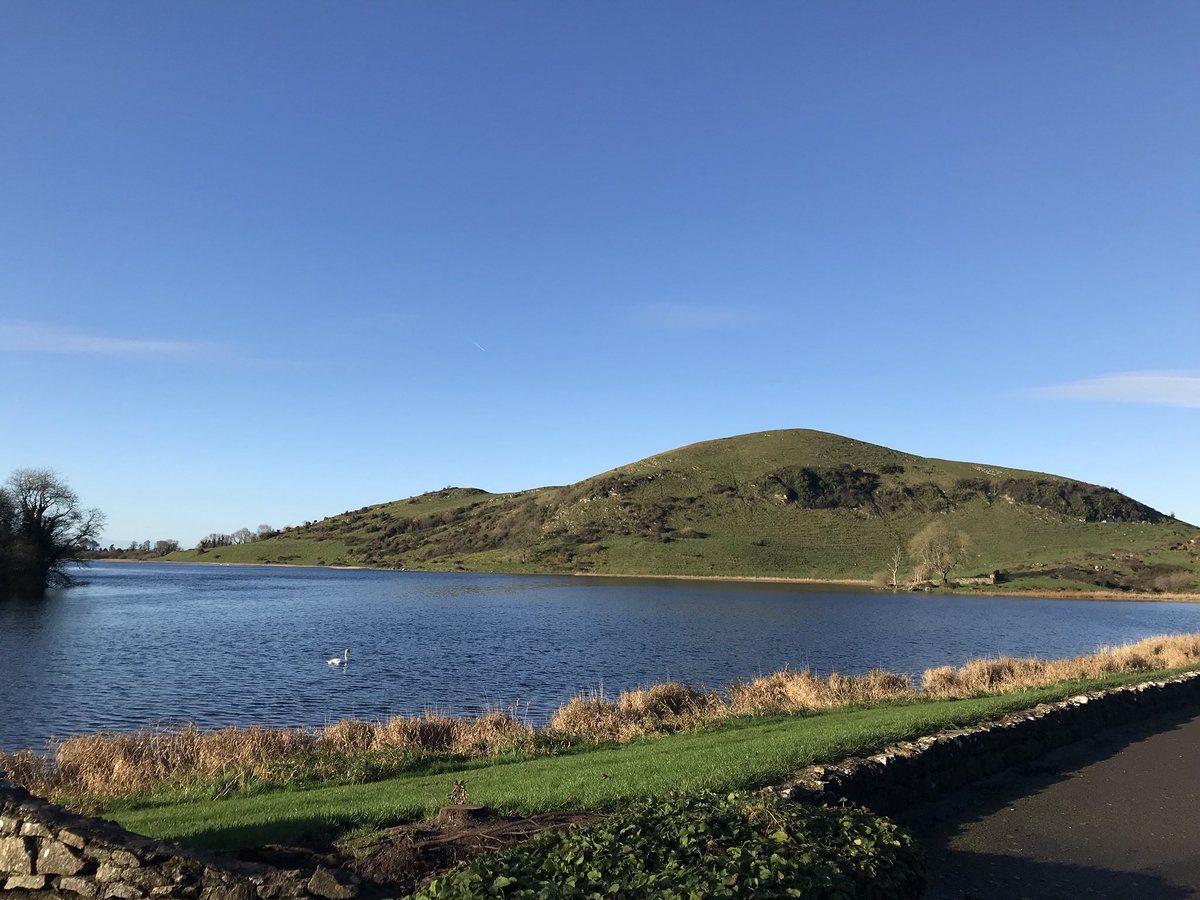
[59, 859]
[125, 858]
[122, 891]
[229, 890]
[82, 886]
[287, 885]
[34, 829]
[147, 878]
[107, 872]
[16, 855]
[25, 883]
[334, 885]
[72, 838]
[9, 825]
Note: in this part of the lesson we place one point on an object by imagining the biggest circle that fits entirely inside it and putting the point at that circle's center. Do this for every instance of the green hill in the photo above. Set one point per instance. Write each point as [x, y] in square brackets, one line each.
[793, 503]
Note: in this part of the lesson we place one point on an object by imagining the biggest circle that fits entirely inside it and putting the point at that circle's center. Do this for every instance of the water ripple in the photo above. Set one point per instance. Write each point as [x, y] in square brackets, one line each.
[137, 645]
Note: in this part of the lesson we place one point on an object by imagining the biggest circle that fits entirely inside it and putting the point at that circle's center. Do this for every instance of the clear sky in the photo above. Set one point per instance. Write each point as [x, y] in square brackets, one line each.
[265, 262]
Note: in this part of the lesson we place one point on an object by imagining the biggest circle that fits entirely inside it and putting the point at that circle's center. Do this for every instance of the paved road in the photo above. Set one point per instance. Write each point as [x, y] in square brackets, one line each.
[1117, 816]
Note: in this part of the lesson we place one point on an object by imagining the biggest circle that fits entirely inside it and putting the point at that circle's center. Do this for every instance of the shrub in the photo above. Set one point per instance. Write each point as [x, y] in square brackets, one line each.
[740, 845]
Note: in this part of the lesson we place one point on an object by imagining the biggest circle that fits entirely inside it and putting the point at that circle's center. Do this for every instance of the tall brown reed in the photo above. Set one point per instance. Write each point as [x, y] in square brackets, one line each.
[108, 764]
[1004, 674]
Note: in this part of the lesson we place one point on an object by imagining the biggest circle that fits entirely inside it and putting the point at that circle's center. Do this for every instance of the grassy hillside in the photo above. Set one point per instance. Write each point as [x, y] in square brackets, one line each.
[793, 503]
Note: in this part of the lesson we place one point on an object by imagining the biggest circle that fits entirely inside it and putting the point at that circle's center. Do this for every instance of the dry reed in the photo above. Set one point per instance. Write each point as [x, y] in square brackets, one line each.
[115, 763]
[1005, 674]
[802, 691]
[660, 708]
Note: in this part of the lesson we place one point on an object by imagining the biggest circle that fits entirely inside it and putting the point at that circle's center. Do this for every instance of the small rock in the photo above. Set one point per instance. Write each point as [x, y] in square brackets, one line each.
[25, 883]
[16, 855]
[35, 829]
[72, 838]
[108, 872]
[229, 890]
[283, 885]
[9, 825]
[59, 859]
[123, 891]
[334, 885]
[81, 886]
[125, 858]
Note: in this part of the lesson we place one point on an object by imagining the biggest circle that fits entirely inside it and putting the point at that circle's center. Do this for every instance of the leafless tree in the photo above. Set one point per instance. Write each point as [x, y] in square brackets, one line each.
[938, 550]
[895, 564]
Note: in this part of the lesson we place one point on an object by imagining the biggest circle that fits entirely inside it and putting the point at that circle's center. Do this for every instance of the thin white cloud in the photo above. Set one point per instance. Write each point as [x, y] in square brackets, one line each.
[34, 337]
[1157, 388]
[696, 316]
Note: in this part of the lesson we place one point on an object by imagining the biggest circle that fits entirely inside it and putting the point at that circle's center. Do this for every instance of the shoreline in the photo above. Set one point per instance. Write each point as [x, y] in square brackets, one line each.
[763, 579]
[1042, 593]
[1045, 593]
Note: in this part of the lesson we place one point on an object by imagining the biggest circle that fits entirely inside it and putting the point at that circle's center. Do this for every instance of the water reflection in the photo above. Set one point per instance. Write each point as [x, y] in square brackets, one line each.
[136, 644]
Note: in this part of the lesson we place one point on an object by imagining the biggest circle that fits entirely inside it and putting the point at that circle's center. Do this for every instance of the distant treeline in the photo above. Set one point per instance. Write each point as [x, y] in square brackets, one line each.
[241, 536]
[152, 549]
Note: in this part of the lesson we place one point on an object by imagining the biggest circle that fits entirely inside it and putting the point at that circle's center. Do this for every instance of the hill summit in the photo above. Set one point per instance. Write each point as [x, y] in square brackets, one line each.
[787, 504]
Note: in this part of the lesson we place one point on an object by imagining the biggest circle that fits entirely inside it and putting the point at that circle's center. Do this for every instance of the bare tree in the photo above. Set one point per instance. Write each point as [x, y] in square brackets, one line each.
[895, 564]
[938, 550]
[42, 527]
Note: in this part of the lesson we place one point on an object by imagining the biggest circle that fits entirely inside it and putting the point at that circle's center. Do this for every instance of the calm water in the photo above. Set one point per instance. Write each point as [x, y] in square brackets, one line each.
[138, 644]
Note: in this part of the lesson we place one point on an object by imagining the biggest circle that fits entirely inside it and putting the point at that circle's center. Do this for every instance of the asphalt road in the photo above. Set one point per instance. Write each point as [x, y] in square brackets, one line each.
[1117, 816]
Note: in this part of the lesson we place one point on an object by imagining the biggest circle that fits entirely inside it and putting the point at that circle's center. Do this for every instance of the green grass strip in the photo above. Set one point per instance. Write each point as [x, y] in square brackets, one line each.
[744, 753]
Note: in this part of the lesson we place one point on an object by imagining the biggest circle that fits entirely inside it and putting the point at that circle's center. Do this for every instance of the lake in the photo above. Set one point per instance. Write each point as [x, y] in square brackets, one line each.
[135, 644]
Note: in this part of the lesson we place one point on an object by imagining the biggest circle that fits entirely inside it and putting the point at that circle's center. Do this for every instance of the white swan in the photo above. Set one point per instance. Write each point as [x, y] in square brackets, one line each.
[340, 660]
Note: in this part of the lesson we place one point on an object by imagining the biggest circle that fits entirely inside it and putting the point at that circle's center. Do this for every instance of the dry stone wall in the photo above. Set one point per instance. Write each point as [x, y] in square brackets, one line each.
[913, 772]
[46, 851]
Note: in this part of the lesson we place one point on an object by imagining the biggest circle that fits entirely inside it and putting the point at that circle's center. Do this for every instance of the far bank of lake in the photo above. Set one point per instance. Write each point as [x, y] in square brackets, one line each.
[135, 645]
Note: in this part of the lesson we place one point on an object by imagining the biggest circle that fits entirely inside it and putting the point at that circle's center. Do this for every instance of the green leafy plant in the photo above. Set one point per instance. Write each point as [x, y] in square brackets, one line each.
[704, 845]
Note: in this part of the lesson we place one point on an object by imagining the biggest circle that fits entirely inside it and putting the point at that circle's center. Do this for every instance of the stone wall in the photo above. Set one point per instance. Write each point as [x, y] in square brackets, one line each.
[913, 772]
[46, 851]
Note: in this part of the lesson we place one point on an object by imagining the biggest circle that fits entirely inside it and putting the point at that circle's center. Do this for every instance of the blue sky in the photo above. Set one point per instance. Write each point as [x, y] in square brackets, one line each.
[261, 263]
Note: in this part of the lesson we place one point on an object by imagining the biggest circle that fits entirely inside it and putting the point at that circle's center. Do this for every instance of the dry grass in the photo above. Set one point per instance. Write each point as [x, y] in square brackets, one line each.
[802, 691]
[660, 708]
[110, 764]
[1005, 674]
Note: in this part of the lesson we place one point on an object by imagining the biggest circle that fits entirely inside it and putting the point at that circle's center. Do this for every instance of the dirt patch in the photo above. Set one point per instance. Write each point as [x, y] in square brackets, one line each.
[399, 860]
